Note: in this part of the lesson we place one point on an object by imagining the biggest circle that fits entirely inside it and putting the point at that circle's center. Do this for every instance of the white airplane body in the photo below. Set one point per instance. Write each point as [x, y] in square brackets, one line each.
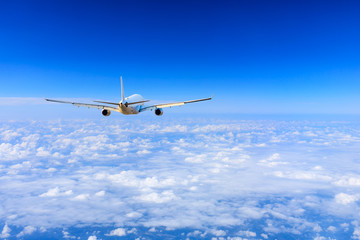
[133, 104]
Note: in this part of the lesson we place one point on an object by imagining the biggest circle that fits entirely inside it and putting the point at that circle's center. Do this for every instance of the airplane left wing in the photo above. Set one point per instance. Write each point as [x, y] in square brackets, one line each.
[173, 104]
[85, 105]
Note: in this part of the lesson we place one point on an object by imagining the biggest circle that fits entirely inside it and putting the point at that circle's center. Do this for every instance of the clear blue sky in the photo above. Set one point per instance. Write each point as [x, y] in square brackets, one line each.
[254, 56]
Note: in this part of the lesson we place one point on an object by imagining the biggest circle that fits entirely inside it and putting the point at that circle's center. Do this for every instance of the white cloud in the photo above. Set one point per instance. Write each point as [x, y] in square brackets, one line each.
[119, 232]
[356, 233]
[134, 215]
[319, 168]
[163, 197]
[302, 175]
[9, 135]
[218, 233]
[41, 152]
[317, 228]
[275, 156]
[55, 192]
[82, 197]
[26, 231]
[100, 194]
[196, 159]
[348, 181]
[51, 193]
[345, 226]
[175, 128]
[345, 199]
[195, 175]
[5, 232]
[264, 236]
[92, 238]
[143, 152]
[331, 229]
[67, 235]
[247, 233]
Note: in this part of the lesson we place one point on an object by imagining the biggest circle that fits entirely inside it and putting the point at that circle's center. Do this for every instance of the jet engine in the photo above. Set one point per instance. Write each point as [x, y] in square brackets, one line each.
[159, 112]
[106, 112]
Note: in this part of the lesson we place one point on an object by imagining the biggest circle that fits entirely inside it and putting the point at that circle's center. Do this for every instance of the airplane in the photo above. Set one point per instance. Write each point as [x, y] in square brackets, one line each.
[133, 104]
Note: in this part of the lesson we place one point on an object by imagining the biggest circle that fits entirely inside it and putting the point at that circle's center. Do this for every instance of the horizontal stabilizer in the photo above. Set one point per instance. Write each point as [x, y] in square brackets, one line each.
[107, 102]
[138, 102]
[126, 103]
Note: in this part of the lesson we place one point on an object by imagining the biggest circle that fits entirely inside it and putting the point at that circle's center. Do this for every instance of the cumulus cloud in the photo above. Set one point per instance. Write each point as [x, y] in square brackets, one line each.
[54, 192]
[348, 181]
[345, 199]
[331, 229]
[82, 197]
[26, 231]
[134, 215]
[247, 233]
[119, 232]
[218, 233]
[9, 135]
[163, 197]
[100, 194]
[5, 232]
[224, 179]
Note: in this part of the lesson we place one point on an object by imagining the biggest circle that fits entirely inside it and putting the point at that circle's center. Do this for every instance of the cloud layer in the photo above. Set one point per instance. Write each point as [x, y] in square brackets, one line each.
[190, 178]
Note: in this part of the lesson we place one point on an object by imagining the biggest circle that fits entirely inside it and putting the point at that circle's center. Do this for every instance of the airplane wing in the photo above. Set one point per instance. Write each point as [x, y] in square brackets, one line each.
[173, 104]
[86, 105]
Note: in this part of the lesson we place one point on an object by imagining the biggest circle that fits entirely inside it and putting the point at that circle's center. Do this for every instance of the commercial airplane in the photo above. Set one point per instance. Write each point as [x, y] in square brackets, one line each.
[133, 104]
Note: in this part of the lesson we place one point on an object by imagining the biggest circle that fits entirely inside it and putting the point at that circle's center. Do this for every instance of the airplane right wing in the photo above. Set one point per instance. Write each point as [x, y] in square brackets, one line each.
[86, 105]
[173, 104]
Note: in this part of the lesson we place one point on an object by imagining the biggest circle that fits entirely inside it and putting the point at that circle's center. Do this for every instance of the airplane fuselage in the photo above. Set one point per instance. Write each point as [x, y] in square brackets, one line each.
[135, 109]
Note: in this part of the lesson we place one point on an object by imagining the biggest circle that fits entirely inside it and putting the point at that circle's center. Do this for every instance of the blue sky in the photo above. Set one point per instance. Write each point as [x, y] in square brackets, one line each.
[254, 56]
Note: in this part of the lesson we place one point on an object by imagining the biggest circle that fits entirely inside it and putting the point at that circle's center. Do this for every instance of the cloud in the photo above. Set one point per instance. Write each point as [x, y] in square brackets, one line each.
[218, 233]
[345, 199]
[9, 135]
[67, 235]
[100, 194]
[26, 231]
[331, 229]
[348, 181]
[225, 178]
[119, 232]
[82, 197]
[5, 232]
[247, 233]
[41, 152]
[134, 215]
[55, 192]
[163, 197]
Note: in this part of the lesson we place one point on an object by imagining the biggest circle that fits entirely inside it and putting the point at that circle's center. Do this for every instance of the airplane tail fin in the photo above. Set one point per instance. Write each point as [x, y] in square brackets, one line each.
[122, 90]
